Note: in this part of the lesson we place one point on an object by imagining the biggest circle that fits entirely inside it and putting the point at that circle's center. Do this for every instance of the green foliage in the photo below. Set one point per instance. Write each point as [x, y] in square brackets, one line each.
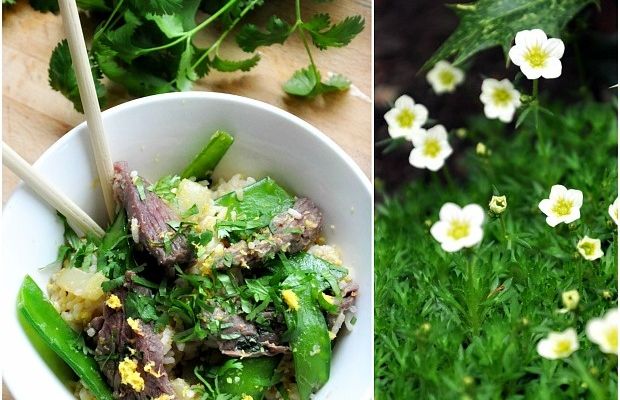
[62, 76]
[305, 82]
[148, 46]
[441, 333]
[488, 23]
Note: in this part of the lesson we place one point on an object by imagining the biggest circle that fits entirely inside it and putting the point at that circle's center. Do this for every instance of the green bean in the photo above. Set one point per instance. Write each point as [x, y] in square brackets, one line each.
[58, 335]
[206, 161]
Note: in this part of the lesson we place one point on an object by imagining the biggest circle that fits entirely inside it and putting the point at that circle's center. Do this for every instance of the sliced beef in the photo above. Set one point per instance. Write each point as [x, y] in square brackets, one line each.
[152, 216]
[291, 232]
[115, 340]
[244, 339]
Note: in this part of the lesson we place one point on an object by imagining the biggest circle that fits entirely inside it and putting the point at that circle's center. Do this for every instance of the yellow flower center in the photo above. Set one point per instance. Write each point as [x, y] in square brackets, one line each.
[612, 337]
[446, 77]
[431, 148]
[562, 207]
[562, 346]
[458, 229]
[405, 118]
[588, 248]
[536, 56]
[501, 97]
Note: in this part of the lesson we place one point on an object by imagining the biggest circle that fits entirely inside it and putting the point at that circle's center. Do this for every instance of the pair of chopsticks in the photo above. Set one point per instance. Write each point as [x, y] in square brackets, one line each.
[86, 85]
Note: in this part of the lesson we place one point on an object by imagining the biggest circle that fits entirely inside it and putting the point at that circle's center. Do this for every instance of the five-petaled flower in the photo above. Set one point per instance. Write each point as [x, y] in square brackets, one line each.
[458, 227]
[406, 118]
[563, 205]
[604, 331]
[537, 55]
[590, 248]
[558, 344]
[500, 99]
[431, 148]
[444, 77]
[613, 211]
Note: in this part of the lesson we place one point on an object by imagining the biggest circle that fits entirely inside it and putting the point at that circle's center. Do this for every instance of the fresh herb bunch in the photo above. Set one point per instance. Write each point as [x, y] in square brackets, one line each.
[149, 47]
[439, 336]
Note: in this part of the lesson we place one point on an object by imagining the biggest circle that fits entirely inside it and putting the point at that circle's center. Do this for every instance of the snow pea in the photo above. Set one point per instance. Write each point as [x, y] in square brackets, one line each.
[60, 337]
[309, 341]
[206, 161]
[253, 379]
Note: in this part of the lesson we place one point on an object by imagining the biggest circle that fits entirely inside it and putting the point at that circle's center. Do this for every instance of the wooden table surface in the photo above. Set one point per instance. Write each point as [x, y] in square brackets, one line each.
[35, 116]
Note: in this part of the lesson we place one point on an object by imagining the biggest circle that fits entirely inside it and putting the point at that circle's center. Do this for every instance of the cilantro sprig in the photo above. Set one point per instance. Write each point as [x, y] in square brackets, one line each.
[308, 81]
[149, 47]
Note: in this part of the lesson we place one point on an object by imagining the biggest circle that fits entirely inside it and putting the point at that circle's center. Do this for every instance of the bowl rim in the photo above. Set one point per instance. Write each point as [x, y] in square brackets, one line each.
[263, 106]
[110, 112]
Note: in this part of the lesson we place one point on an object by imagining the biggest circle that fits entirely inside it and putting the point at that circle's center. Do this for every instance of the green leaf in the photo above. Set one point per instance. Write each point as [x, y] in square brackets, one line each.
[336, 82]
[45, 5]
[489, 23]
[186, 74]
[158, 7]
[250, 37]
[235, 65]
[303, 83]
[138, 82]
[338, 35]
[62, 76]
[177, 24]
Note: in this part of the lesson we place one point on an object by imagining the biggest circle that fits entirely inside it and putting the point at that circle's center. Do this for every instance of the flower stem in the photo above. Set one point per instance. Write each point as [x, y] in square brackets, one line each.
[536, 103]
[447, 176]
[471, 296]
[593, 385]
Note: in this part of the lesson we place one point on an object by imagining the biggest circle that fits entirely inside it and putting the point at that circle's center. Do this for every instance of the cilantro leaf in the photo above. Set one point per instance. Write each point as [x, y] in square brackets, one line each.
[45, 5]
[336, 82]
[488, 23]
[304, 82]
[250, 37]
[158, 7]
[62, 76]
[177, 24]
[140, 306]
[338, 35]
[235, 65]
[186, 74]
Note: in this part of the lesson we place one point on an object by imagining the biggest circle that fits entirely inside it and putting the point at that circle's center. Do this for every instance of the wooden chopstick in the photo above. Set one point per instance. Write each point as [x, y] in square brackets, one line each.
[75, 215]
[90, 103]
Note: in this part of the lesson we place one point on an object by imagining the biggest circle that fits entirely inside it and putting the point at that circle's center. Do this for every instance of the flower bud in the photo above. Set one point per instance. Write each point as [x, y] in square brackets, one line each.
[498, 204]
[570, 299]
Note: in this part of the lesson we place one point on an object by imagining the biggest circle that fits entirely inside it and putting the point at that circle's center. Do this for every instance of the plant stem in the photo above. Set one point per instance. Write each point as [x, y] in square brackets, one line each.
[447, 176]
[593, 385]
[107, 22]
[472, 298]
[299, 27]
[191, 32]
[219, 41]
[536, 103]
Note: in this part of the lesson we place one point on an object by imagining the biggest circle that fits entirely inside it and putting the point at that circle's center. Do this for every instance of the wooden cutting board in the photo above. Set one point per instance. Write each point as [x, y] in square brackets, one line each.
[35, 116]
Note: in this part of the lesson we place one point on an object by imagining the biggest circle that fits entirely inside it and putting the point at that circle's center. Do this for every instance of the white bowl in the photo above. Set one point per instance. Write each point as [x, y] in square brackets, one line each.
[159, 135]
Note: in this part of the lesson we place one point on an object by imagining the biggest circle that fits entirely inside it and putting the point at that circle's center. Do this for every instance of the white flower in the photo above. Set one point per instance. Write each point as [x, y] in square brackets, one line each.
[458, 227]
[563, 205]
[498, 204]
[613, 211]
[500, 99]
[430, 148]
[558, 344]
[590, 248]
[604, 331]
[444, 77]
[536, 55]
[406, 118]
[570, 299]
